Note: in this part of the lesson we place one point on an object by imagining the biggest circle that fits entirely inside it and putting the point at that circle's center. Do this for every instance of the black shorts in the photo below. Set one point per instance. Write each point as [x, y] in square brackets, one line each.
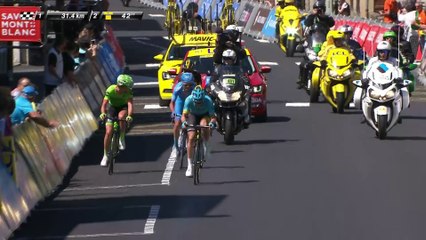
[113, 111]
[196, 119]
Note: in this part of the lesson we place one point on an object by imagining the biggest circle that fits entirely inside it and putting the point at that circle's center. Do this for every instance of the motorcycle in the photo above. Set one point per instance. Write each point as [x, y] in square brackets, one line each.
[338, 70]
[313, 46]
[229, 93]
[290, 31]
[385, 97]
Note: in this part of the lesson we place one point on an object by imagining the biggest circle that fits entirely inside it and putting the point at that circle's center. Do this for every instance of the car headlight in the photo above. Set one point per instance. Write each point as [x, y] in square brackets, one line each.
[257, 89]
[166, 75]
[332, 73]
[347, 73]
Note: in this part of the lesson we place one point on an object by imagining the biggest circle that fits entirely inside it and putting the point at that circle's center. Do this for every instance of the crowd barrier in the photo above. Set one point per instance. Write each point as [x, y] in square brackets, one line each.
[259, 21]
[33, 166]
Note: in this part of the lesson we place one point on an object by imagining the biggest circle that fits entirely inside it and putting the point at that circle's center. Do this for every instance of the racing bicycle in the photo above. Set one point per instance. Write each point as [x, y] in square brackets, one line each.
[183, 136]
[228, 14]
[173, 19]
[199, 158]
[113, 147]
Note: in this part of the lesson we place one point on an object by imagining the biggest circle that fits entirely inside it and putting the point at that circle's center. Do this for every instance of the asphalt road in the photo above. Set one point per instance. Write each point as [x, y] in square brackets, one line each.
[305, 174]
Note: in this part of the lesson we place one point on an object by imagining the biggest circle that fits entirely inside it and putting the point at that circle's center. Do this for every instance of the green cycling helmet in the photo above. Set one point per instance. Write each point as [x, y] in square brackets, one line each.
[388, 34]
[125, 80]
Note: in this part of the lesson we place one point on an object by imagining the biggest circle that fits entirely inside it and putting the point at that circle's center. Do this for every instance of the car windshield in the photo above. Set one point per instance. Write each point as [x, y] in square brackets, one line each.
[204, 64]
[178, 52]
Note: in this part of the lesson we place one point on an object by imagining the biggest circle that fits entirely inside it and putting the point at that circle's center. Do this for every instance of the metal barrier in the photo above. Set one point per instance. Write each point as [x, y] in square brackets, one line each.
[41, 157]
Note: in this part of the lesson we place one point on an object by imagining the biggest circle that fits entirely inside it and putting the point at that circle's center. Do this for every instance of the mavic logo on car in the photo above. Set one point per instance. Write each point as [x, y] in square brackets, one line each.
[201, 39]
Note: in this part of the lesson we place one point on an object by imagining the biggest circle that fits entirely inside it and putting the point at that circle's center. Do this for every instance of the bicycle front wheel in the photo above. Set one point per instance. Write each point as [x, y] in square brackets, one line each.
[197, 162]
[112, 153]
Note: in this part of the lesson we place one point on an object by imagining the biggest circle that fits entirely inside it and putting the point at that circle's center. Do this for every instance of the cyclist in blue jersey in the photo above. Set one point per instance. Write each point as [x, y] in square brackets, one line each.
[182, 90]
[198, 110]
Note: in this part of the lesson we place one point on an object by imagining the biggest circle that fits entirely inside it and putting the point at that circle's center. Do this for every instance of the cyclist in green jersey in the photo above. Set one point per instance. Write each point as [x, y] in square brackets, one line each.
[118, 101]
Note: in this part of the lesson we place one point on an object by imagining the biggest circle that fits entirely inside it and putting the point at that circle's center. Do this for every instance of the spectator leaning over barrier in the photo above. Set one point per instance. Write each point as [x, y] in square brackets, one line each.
[24, 109]
[22, 82]
[390, 11]
[69, 63]
[344, 8]
[55, 66]
[318, 16]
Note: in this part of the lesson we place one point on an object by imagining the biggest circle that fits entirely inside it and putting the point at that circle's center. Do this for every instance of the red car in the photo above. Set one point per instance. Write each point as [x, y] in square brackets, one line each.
[201, 60]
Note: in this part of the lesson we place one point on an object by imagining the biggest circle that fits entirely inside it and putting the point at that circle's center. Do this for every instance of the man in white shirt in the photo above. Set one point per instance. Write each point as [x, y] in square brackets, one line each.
[55, 67]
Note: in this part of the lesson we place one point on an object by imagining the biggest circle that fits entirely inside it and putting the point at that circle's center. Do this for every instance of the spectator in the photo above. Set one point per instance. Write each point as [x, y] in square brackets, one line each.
[22, 82]
[420, 22]
[69, 63]
[88, 33]
[7, 104]
[55, 66]
[24, 109]
[344, 8]
[390, 11]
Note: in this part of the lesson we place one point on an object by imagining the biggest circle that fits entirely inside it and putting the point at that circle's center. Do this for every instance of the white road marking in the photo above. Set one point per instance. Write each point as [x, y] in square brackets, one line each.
[156, 15]
[298, 104]
[152, 65]
[89, 235]
[166, 37]
[261, 40]
[146, 42]
[152, 218]
[297, 63]
[268, 63]
[153, 106]
[142, 38]
[167, 175]
[146, 84]
[88, 208]
[111, 187]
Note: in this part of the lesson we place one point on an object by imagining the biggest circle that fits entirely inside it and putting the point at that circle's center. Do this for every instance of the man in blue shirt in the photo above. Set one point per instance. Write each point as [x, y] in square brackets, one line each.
[24, 109]
[198, 110]
[181, 91]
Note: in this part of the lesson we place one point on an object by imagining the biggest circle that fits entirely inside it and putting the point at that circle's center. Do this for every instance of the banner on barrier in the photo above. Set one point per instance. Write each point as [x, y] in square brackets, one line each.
[260, 20]
[357, 30]
[245, 15]
[370, 40]
[363, 34]
[107, 59]
[115, 46]
[269, 27]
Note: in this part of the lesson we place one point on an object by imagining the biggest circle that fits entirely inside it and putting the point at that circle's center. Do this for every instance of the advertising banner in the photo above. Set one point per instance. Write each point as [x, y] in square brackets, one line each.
[20, 24]
[245, 15]
[260, 20]
[269, 27]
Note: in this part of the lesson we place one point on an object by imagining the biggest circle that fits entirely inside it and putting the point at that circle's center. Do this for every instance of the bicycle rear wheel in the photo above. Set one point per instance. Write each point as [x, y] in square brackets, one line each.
[113, 153]
[197, 162]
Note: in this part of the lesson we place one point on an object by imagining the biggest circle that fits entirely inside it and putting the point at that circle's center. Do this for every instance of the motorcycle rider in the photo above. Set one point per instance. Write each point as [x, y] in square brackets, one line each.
[191, 13]
[401, 48]
[278, 10]
[229, 40]
[229, 58]
[289, 5]
[353, 44]
[318, 16]
[383, 55]
[335, 39]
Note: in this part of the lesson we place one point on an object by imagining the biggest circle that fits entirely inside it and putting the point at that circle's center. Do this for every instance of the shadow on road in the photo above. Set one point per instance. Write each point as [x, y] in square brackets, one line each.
[273, 119]
[264, 141]
[227, 151]
[226, 167]
[414, 117]
[414, 138]
[65, 216]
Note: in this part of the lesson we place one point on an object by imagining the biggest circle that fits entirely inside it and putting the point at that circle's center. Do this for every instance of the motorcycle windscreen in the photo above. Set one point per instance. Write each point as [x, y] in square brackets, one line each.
[230, 78]
[315, 41]
[339, 57]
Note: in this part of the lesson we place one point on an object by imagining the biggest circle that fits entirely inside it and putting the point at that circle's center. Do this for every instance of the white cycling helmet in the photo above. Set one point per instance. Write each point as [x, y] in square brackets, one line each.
[231, 27]
[384, 45]
[229, 56]
[346, 29]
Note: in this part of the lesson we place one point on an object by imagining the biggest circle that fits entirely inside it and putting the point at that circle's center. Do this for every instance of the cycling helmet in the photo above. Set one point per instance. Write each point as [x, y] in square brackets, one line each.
[198, 94]
[187, 78]
[125, 80]
[346, 29]
[388, 34]
[289, 1]
[383, 45]
[229, 56]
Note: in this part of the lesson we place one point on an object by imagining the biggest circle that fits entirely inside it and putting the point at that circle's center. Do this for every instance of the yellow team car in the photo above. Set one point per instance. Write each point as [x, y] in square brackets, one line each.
[173, 59]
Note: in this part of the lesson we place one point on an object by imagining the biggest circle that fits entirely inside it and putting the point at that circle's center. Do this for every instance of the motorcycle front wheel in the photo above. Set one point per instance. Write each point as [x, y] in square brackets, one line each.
[290, 47]
[340, 101]
[229, 132]
[382, 125]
